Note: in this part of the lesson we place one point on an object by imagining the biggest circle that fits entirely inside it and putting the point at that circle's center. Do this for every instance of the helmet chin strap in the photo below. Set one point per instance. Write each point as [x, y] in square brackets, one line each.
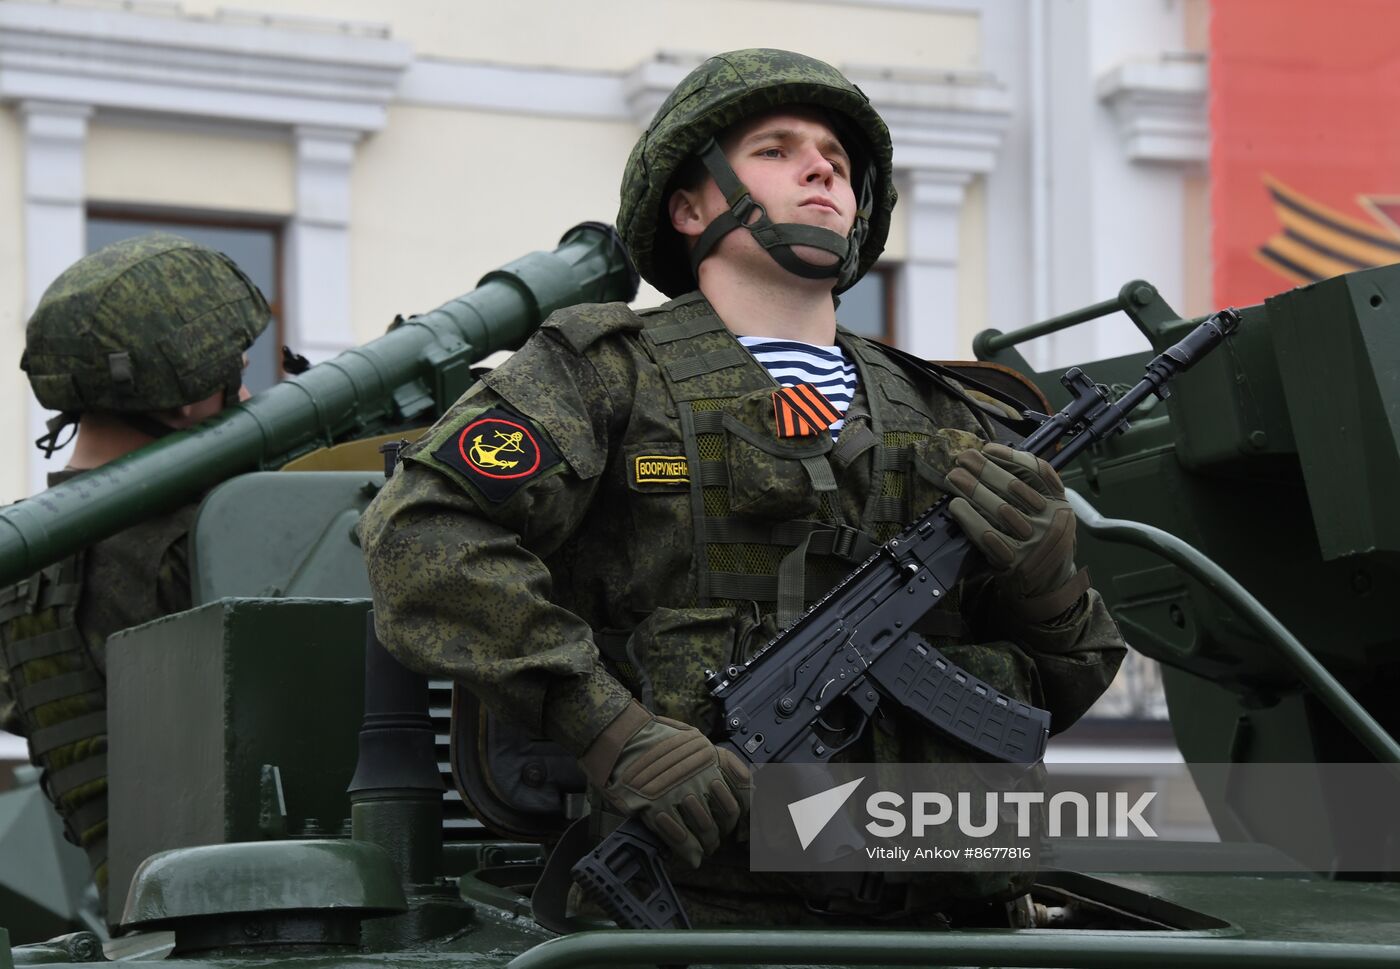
[778, 238]
[55, 426]
[50, 443]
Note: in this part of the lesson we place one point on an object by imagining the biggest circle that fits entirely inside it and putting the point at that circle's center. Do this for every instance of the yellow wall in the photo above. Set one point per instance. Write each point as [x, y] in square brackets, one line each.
[618, 34]
[441, 197]
[14, 389]
[190, 169]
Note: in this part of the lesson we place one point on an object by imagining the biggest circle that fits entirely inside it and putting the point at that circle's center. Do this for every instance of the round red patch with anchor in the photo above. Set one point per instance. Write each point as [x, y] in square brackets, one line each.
[499, 451]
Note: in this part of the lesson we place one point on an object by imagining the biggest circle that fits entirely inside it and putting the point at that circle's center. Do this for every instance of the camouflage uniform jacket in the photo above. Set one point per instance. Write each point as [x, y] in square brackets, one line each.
[619, 482]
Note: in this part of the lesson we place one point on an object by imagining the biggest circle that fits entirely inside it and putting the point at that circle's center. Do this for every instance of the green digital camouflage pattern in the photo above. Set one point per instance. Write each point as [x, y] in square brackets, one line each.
[144, 324]
[723, 91]
[510, 594]
[133, 577]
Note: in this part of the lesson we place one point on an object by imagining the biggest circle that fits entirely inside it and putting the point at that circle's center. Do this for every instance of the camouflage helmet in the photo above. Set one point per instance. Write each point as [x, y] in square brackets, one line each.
[145, 324]
[726, 89]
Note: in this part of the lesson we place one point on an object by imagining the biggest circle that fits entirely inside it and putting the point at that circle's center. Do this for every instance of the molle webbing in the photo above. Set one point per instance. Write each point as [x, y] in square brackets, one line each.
[889, 508]
[59, 687]
[53, 588]
[709, 362]
[74, 776]
[61, 699]
[46, 740]
[854, 441]
[40, 646]
[746, 558]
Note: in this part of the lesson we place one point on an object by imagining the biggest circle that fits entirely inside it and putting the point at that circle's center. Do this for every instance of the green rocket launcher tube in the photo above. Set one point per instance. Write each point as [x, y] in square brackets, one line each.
[411, 374]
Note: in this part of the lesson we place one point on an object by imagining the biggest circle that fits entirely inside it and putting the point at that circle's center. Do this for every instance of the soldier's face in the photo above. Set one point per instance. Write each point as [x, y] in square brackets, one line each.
[794, 166]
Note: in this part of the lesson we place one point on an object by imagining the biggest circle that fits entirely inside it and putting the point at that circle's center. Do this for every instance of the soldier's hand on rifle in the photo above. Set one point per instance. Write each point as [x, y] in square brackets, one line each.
[684, 788]
[1012, 507]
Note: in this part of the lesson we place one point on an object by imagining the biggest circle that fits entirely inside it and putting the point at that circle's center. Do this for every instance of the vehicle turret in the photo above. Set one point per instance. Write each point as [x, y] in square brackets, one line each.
[1278, 459]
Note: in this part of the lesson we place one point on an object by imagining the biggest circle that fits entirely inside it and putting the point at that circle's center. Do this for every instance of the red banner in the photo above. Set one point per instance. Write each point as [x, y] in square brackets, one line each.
[1305, 141]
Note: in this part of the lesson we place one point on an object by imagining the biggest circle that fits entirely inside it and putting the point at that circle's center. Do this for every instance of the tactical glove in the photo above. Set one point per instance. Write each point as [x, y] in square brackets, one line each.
[684, 788]
[1012, 507]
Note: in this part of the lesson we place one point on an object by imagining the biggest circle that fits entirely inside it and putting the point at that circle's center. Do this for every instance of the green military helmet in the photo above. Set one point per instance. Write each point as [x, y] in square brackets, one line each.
[726, 89]
[145, 324]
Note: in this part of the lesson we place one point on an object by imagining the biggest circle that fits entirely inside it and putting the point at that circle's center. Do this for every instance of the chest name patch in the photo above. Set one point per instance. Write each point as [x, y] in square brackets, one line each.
[499, 452]
[660, 469]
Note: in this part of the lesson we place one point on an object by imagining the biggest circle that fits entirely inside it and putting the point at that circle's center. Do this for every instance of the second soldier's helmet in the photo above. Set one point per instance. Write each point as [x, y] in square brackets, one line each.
[144, 324]
[723, 91]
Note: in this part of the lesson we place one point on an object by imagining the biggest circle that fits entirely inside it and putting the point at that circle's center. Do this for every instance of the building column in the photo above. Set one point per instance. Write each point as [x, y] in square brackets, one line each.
[927, 285]
[55, 140]
[317, 256]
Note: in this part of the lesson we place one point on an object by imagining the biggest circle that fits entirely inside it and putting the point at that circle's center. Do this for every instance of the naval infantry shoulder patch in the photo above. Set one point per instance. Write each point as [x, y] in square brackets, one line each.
[498, 451]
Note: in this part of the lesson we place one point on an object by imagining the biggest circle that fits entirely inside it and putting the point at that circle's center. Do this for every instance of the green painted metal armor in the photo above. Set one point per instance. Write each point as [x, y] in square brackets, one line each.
[1277, 459]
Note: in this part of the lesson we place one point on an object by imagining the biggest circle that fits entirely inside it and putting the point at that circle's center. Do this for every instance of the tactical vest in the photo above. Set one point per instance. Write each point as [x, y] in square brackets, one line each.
[53, 628]
[60, 700]
[777, 521]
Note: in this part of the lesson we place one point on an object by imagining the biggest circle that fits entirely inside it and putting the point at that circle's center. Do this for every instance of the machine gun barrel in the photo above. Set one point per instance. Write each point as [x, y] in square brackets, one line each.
[413, 372]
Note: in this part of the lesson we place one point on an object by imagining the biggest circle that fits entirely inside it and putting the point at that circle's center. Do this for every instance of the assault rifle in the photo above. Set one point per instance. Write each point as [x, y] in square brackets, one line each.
[857, 647]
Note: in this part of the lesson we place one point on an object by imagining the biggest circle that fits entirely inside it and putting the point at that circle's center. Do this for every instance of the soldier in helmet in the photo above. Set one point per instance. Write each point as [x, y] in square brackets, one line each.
[141, 338]
[637, 497]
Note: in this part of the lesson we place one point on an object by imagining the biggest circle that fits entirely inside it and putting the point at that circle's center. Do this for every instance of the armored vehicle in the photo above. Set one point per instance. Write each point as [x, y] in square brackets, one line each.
[281, 792]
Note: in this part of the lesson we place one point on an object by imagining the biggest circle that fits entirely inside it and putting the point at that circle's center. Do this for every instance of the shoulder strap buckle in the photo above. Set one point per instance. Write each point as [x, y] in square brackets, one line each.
[851, 544]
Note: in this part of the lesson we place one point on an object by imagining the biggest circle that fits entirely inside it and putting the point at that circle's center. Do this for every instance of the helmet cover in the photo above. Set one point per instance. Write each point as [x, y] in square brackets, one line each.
[145, 324]
[721, 92]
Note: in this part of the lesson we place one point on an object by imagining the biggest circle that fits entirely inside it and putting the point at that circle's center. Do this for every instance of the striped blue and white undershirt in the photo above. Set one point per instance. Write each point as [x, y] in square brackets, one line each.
[791, 362]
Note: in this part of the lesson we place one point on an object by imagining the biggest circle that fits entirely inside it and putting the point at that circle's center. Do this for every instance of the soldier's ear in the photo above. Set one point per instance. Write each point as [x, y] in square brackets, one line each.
[684, 209]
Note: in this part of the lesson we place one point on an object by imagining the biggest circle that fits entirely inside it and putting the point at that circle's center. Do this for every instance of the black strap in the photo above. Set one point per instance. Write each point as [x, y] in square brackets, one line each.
[54, 426]
[714, 474]
[550, 900]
